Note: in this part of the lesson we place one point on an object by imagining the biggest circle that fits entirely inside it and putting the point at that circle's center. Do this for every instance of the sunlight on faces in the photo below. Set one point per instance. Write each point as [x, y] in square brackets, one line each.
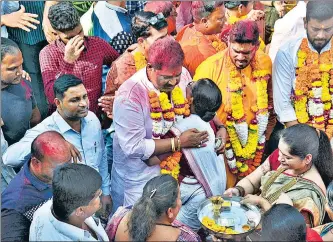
[155, 34]
[66, 36]
[289, 161]
[242, 54]
[319, 32]
[75, 103]
[11, 69]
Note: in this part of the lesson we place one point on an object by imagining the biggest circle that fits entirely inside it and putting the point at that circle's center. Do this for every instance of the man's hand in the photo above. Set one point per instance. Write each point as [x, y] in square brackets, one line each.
[256, 15]
[49, 32]
[106, 207]
[223, 134]
[76, 155]
[193, 138]
[106, 103]
[73, 49]
[20, 19]
[25, 75]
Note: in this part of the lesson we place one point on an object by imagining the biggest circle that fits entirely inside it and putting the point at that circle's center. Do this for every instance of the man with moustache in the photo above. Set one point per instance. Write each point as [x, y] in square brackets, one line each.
[302, 73]
[236, 71]
[77, 124]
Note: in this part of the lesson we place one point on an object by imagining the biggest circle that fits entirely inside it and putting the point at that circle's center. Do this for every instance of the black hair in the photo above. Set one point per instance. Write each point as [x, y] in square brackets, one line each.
[207, 98]
[64, 17]
[245, 32]
[41, 140]
[159, 194]
[142, 21]
[283, 223]
[329, 192]
[235, 4]
[302, 140]
[63, 83]
[8, 47]
[202, 9]
[74, 185]
[319, 10]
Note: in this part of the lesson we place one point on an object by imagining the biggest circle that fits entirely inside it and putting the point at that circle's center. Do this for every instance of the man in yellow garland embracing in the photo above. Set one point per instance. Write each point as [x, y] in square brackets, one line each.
[303, 73]
[243, 74]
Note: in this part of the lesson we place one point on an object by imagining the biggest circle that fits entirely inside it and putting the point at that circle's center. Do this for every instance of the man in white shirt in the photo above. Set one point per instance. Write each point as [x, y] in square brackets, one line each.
[68, 217]
[288, 27]
[289, 88]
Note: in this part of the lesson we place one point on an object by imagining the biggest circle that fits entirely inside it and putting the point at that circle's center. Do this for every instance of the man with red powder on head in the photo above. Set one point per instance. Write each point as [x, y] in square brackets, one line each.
[31, 187]
[138, 126]
[201, 39]
[243, 74]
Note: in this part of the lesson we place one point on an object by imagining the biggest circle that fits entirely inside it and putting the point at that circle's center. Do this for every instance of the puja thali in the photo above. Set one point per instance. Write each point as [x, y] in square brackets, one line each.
[225, 218]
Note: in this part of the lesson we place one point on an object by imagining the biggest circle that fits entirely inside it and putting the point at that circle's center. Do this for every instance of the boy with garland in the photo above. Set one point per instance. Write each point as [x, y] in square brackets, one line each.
[243, 74]
[303, 73]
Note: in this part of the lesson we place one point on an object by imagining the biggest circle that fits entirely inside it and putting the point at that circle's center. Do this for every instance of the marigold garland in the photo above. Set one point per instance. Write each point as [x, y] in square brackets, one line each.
[139, 60]
[171, 165]
[246, 143]
[313, 94]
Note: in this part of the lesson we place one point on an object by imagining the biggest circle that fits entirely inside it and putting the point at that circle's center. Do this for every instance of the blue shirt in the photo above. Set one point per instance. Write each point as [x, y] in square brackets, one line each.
[135, 6]
[23, 196]
[89, 142]
[118, 34]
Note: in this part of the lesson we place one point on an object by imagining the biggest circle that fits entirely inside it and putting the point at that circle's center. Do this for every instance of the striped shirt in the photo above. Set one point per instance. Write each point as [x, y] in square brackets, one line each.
[35, 35]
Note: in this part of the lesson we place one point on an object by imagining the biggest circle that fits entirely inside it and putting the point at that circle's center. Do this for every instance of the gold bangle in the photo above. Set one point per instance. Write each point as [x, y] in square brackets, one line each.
[178, 139]
[173, 144]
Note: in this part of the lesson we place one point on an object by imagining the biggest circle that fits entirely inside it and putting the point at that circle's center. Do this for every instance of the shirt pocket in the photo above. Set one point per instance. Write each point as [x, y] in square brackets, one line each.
[93, 153]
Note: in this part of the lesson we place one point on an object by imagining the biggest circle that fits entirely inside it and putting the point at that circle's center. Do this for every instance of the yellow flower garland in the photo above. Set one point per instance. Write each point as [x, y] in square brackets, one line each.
[314, 72]
[252, 151]
[140, 61]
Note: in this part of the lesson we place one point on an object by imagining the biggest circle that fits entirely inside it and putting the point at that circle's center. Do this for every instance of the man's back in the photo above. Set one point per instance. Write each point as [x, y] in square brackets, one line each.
[23, 196]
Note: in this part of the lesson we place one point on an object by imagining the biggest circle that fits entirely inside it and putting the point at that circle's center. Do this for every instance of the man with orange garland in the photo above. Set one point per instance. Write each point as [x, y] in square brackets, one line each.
[201, 39]
[303, 73]
[243, 74]
[140, 119]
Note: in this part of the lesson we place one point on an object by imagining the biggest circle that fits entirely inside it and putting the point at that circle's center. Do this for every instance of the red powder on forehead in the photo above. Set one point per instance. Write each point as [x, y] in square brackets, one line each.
[166, 53]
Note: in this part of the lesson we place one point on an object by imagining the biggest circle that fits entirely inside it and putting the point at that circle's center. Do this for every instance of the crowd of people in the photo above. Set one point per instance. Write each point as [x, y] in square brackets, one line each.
[127, 115]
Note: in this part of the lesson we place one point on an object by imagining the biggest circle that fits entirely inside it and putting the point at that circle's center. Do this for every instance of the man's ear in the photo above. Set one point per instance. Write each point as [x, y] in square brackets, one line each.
[140, 40]
[56, 101]
[305, 23]
[79, 212]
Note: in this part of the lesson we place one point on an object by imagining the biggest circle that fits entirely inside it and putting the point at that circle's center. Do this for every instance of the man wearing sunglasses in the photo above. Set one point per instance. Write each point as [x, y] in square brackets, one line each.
[234, 70]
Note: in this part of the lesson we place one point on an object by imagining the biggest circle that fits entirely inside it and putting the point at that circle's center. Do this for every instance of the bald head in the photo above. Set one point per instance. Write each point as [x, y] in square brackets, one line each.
[51, 145]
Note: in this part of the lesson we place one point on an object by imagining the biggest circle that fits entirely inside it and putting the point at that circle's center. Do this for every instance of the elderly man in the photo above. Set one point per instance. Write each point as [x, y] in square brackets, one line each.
[79, 126]
[243, 74]
[32, 185]
[200, 39]
[136, 133]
